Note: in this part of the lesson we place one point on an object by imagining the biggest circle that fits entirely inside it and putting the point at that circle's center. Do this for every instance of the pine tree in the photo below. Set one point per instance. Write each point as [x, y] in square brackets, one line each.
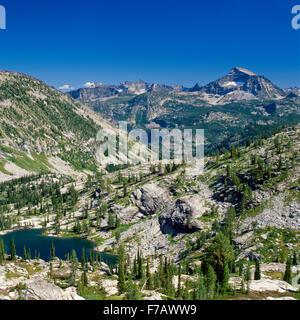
[288, 271]
[140, 262]
[13, 254]
[52, 251]
[133, 291]
[179, 289]
[295, 260]
[248, 277]
[210, 282]
[257, 275]
[83, 259]
[149, 277]
[121, 272]
[201, 290]
[2, 251]
[74, 266]
[25, 253]
[84, 278]
[225, 278]
[92, 258]
[111, 220]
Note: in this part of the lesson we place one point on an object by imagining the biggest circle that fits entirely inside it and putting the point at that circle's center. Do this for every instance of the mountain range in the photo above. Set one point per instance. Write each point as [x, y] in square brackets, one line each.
[238, 106]
[239, 84]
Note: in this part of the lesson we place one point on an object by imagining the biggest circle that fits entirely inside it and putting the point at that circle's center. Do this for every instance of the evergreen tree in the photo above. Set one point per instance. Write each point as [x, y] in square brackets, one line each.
[52, 251]
[218, 254]
[121, 271]
[84, 278]
[210, 282]
[295, 260]
[13, 254]
[111, 220]
[133, 291]
[257, 275]
[288, 271]
[201, 290]
[25, 253]
[241, 268]
[92, 258]
[140, 263]
[225, 278]
[74, 266]
[248, 277]
[149, 277]
[179, 289]
[83, 259]
[2, 251]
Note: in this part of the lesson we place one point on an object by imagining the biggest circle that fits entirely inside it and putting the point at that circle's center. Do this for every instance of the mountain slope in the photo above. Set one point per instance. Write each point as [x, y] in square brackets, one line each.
[40, 125]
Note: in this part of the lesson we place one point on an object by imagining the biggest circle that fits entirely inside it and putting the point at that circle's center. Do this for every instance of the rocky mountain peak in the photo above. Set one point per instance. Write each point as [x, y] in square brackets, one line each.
[246, 82]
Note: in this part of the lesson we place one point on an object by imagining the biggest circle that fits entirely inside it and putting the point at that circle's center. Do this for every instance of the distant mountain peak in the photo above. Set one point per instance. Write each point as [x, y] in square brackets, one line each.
[247, 83]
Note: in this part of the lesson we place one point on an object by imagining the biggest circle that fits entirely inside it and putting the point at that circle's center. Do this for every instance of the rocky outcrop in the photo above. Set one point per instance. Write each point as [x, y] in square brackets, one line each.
[127, 214]
[40, 289]
[110, 286]
[182, 216]
[151, 198]
[278, 214]
[263, 285]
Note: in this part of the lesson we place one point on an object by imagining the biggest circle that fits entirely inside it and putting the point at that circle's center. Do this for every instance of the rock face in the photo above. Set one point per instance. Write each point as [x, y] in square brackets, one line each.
[181, 216]
[151, 198]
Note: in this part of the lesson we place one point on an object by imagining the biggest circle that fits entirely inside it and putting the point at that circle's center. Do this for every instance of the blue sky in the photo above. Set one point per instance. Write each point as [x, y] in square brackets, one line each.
[164, 41]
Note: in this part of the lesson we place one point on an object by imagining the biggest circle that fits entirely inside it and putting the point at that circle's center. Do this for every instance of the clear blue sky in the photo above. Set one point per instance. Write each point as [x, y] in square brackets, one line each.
[164, 41]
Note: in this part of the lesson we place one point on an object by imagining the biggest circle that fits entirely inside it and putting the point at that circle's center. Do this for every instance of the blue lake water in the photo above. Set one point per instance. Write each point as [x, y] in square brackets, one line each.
[40, 245]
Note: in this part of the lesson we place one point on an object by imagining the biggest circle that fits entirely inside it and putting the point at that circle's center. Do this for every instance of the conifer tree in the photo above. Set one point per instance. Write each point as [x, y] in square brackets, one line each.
[248, 277]
[179, 289]
[74, 266]
[210, 282]
[25, 253]
[201, 290]
[13, 254]
[121, 272]
[92, 258]
[52, 251]
[84, 278]
[295, 260]
[2, 251]
[149, 277]
[288, 271]
[83, 259]
[257, 274]
[225, 278]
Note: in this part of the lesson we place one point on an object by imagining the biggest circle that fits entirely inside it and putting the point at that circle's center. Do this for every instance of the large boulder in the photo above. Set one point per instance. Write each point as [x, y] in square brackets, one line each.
[40, 289]
[182, 216]
[151, 198]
